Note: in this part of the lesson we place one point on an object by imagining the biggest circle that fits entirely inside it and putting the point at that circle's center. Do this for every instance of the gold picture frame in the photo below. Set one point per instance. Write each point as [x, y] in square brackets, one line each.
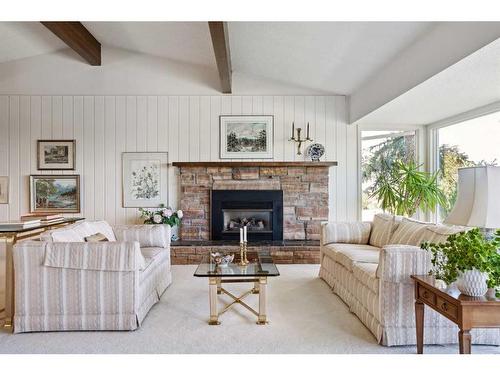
[55, 193]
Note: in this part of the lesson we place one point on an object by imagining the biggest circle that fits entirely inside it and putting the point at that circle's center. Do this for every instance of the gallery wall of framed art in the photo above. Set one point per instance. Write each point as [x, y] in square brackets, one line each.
[55, 193]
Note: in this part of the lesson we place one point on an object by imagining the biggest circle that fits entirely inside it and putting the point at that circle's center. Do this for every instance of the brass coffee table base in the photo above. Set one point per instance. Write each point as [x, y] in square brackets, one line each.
[215, 288]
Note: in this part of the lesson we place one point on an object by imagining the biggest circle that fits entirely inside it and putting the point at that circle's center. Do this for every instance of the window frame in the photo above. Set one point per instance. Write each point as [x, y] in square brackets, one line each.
[420, 148]
[432, 139]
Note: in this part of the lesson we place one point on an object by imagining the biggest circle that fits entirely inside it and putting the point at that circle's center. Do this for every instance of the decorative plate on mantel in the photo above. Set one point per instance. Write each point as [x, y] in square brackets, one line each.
[315, 151]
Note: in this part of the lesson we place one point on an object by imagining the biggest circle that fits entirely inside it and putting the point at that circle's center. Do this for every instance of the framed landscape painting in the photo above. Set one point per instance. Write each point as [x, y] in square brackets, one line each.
[56, 155]
[145, 179]
[4, 189]
[246, 137]
[55, 193]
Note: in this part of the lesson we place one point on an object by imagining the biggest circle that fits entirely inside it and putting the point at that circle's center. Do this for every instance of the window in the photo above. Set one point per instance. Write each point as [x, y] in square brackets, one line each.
[466, 144]
[379, 150]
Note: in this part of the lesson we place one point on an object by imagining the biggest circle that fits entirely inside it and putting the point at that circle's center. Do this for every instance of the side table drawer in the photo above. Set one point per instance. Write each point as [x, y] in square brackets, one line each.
[447, 308]
[426, 295]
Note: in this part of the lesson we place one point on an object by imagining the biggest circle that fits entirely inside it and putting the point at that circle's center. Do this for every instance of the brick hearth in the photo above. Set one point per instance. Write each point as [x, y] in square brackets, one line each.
[305, 194]
[285, 252]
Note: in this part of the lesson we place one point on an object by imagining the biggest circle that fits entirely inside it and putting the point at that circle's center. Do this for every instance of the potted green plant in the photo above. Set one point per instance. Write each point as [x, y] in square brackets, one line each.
[468, 258]
[403, 189]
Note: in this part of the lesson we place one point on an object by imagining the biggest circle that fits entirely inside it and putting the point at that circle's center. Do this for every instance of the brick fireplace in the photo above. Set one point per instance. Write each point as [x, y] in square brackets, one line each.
[304, 186]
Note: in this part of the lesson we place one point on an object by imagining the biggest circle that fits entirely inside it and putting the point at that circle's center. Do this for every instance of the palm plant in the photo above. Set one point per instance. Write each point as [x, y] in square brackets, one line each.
[403, 189]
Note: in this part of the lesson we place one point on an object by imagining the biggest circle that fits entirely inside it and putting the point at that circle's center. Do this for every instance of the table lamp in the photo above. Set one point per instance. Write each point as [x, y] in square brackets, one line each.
[478, 199]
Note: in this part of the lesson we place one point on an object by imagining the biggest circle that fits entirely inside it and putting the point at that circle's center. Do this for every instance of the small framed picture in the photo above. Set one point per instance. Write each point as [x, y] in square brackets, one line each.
[56, 154]
[4, 189]
[55, 193]
[145, 179]
[246, 137]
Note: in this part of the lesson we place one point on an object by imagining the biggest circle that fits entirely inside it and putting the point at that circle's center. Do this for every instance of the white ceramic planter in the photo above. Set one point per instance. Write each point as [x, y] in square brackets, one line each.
[472, 283]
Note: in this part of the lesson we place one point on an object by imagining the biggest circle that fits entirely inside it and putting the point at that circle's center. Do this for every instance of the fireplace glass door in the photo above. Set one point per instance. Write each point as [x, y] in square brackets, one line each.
[260, 210]
[256, 220]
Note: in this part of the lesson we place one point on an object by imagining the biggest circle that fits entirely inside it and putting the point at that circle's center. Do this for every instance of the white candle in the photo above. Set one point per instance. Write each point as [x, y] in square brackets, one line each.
[241, 235]
[245, 234]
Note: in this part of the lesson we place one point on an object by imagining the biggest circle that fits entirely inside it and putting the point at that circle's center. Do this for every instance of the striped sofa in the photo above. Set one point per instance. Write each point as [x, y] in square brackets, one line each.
[63, 283]
[368, 265]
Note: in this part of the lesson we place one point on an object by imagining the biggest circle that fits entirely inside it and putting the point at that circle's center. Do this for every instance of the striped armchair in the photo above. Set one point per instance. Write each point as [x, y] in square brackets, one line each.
[77, 285]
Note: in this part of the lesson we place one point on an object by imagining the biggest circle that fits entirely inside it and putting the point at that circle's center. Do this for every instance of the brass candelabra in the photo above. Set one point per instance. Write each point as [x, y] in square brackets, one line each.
[298, 139]
[243, 254]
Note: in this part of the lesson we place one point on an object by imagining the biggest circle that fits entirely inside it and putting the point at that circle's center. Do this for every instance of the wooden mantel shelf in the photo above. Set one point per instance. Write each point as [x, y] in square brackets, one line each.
[254, 164]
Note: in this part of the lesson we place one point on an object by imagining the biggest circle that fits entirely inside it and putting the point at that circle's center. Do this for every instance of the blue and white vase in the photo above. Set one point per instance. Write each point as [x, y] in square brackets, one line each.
[316, 151]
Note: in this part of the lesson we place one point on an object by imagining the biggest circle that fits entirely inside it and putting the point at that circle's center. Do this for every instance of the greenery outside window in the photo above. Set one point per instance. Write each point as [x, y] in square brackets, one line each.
[379, 151]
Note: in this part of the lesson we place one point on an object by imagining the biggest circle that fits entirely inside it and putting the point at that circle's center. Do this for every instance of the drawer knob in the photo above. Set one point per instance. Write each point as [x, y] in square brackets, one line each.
[425, 294]
[444, 306]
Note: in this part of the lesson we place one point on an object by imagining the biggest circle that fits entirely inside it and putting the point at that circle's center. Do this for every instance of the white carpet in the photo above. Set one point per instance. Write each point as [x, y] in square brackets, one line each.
[305, 317]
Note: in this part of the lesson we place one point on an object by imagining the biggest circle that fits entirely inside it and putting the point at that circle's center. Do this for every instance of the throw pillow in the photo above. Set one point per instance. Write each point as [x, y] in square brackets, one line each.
[66, 235]
[104, 228]
[351, 232]
[382, 229]
[440, 233]
[410, 232]
[98, 237]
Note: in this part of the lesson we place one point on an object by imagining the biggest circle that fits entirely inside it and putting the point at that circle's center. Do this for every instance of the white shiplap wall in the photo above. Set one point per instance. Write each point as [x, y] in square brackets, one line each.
[187, 127]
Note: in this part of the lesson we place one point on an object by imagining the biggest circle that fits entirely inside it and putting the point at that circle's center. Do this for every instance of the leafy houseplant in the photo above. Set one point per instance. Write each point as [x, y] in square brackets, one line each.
[403, 189]
[162, 215]
[463, 252]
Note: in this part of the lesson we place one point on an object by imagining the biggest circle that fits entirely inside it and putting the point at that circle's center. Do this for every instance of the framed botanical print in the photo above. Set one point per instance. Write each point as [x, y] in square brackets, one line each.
[56, 155]
[4, 189]
[145, 179]
[55, 193]
[246, 137]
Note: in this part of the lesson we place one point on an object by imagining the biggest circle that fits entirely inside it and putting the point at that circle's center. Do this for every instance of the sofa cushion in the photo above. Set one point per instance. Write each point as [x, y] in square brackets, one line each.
[382, 229]
[410, 232]
[66, 235]
[348, 232]
[347, 254]
[70, 233]
[366, 273]
[440, 233]
[82, 228]
[333, 248]
[147, 235]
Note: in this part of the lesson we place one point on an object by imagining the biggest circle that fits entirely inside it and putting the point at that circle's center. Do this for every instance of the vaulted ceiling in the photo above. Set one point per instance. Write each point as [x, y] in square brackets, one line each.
[387, 68]
[334, 57]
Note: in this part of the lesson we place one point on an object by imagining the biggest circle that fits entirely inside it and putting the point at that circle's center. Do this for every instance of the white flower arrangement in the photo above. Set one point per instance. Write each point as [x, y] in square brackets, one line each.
[163, 215]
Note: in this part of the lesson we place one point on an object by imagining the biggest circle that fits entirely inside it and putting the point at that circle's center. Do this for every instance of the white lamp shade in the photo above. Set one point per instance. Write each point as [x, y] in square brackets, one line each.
[478, 199]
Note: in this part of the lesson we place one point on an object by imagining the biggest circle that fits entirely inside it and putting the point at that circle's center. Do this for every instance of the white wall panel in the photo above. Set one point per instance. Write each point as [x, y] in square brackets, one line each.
[187, 127]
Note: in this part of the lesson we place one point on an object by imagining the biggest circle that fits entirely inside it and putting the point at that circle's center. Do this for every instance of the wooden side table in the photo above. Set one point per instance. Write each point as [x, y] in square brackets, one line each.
[467, 312]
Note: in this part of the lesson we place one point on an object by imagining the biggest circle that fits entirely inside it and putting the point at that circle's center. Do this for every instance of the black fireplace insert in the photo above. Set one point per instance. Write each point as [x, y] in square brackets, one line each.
[260, 210]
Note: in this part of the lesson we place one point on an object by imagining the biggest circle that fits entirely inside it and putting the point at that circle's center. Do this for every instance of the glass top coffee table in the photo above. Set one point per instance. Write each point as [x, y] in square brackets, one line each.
[259, 268]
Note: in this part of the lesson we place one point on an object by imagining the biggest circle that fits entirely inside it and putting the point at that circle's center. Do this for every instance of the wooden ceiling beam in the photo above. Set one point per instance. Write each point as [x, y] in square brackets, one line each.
[220, 42]
[78, 38]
